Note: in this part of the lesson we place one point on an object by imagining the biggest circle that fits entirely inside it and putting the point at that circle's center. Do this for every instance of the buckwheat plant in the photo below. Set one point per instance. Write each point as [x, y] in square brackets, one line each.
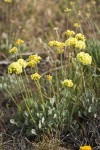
[56, 103]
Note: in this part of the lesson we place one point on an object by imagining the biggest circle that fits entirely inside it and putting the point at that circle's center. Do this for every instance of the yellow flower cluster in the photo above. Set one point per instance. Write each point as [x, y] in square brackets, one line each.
[22, 62]
[80, 45]
[76, 25]
[71, 41]
[84, 58]
[67, 10]
[19, 42]
[35, 57]
[56, 43]
[8, 1]
[35, 76]
[72, 3]
[49, 77]
[33, 60]
[85, 148]
[13, 50]
[80, 36]
[69, 33]
[78, 41]
[67, 83]
[15, 67]
[60, 51]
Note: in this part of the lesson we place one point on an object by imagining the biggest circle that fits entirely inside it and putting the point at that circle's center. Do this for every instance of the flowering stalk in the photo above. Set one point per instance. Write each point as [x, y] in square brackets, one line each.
[40, 91]
[19, 108]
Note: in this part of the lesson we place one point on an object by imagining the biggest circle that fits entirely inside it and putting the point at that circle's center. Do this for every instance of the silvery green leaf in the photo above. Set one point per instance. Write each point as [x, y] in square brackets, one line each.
[26, 113]
[95, 115]
[42, 107]
[5, 85]
[42, 120]
[52, 100]
[89, 110]
[33, 131]
[13, 121]
[0, 85]
[55, 115]
[38, 114]
[26, 121]
[40, 124]
[50, 111]
[92, 99]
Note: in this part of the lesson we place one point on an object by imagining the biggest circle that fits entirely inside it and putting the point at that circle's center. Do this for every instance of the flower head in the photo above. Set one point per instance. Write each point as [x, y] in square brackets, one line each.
[22, 62]
[19, 41]
[76, 25]
[13, 50]
[49, 77]
[84, 58]
[71, 41]
[85, 148]
[15, 67]
[67, 10]
[67, 83]
[80, 36]
[80, 45]
[60, 51]
[57, 44]
[72, 3]
[87, 15]
[35, 58]
[8, 1]
[31, 63]
[69, 33]
[35, 76]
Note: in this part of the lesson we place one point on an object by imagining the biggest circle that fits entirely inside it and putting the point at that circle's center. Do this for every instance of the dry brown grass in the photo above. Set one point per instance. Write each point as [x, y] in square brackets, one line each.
[35, 19]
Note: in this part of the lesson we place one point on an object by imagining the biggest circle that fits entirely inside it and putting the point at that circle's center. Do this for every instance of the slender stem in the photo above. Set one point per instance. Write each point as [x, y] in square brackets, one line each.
[13, 99]
[40, 92]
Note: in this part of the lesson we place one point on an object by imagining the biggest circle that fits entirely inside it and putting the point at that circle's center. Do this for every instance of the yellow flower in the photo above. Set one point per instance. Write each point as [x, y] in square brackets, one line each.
[56, 43]
[84, 58]
[67, 83]
[67, 10]
[76, 25]
[55, 28]
[49, 77]
[87, 15]
[72, 3]
[71, 41]
[35, 58]
[35, 76]
[15, 67]
[8, 1]
[53, 43]
[13, 50]
[79, 13]
[22, 62]
[93, 2]
[19, 42]
[80, 45]
[69, 33]
[60, 51]
[80, 36]
[85, 148]
[31, 63]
